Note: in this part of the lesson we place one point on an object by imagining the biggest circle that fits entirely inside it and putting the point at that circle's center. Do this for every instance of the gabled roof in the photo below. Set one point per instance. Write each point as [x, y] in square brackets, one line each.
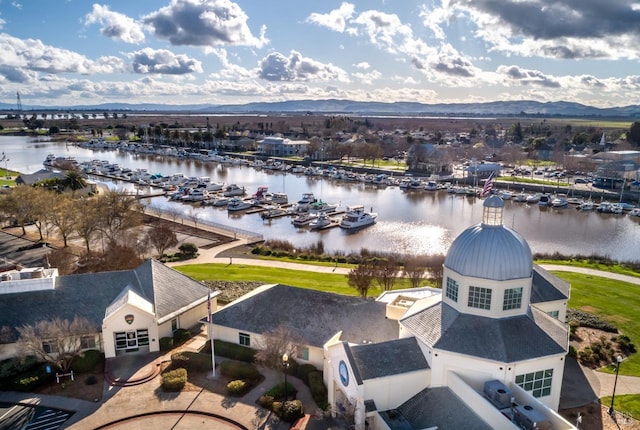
[313, 315]
[505, 340]
[40, 175]
[394, 357]
[89, 295]
[546, 287]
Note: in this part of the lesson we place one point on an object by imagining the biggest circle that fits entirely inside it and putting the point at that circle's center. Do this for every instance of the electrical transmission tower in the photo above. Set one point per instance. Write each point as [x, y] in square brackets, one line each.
[19, 102]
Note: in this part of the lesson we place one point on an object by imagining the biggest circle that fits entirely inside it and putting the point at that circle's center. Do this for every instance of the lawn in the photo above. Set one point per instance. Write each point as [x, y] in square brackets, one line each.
[615, 301]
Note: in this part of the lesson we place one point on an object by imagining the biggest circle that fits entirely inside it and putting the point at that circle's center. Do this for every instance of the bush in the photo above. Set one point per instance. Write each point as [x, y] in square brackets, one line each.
[88, 361]
[188, 249]
[318, 390]
[239, 370]
[292, 410]
[32, 379]
[585, 319]
[192, 361]
[174, 380]
[234, 351]
[166, 343]
[302, 372]
[180, 336]
[13, 367]
[277, 391]
[266, 402]
[237, 387]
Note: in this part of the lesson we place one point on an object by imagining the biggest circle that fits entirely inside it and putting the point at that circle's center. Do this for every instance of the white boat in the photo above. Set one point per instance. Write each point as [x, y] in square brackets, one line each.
[279, 198]
[321, 221]
[320, 206]
[356, 217]
[586, 206]
[431, 186]
[304, 219]
[635, 212]
[237, 204]
[272, 211]
[505, 195]
[559, 202]
[307, 199]
[533, 198]
[545, 200]
[233, 190]
[196, 195]
[520, 197]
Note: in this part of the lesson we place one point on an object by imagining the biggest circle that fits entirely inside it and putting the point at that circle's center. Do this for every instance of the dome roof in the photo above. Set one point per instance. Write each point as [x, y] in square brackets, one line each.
[490, 252]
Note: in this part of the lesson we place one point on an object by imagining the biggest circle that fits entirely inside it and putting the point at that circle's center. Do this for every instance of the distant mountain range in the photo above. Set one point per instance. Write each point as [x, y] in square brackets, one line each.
[333, 106]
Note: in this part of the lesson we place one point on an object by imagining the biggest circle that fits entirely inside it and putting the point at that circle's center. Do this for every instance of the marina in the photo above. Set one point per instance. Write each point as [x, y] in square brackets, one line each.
[415, 221]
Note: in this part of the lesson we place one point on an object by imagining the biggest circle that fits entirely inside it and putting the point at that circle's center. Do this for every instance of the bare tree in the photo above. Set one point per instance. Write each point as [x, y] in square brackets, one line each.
[385, 273]
[58, 341]
[415, 270]
[162, 238]
[87, 219]
[62, 216]
[119, 213]
[360, 277]
[274, 344]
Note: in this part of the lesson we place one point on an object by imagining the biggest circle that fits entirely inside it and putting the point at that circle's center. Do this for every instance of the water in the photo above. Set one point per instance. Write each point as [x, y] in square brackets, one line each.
[415, 222]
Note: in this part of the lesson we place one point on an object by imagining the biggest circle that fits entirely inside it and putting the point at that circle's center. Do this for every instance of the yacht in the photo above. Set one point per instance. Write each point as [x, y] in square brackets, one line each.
[237, 204]
[322, 221]
[520, 197]
[544, 200]
[587, 205]
[279, 198]
[356, 218]
[304, 219]
[321, 206]
[559, 202]
[533, 198]
[635, 212]
[307, 199]
[233, 190]
[272, 211]
[431, 186]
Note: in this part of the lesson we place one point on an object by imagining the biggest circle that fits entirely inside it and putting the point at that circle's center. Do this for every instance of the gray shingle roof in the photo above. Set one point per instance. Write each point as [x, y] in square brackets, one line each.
[434, 408]
[388, 358]
[88, 295]
[18, 250]
[40, 175]
[505, 340]
[547, 287]
[314, 315]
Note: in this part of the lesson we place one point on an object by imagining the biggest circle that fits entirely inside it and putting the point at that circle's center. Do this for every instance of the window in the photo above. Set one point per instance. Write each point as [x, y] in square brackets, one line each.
[143, 337]
[554, 314]
[538, 383]
[174, 324]
[88, 342]
[479, 298]
[245, 339]
[49, 347]
[303, 354]
[452, 289]
[512, 299]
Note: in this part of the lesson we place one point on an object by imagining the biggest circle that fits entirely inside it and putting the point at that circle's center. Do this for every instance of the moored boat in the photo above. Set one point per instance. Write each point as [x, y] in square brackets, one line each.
[237, 204]
[356, 217]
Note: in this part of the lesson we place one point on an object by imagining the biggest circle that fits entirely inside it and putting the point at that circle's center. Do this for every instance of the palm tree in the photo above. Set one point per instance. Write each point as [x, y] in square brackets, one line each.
[74, 180]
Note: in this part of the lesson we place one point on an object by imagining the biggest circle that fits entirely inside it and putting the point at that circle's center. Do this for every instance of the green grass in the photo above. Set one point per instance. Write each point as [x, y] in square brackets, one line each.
[3, 177]
[614, 301]
[612, 268]
[312, 280]
[626, 403]
[523, 180]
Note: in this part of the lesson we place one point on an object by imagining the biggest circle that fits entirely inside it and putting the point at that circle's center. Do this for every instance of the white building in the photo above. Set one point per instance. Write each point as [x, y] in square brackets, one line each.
[131, 309]
[275, 146]
[424, 358]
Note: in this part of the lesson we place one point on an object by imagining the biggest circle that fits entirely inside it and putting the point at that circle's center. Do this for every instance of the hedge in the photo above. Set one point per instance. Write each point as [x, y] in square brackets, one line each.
[192, 361]
[87, 362]
[174, 380]
[277, 391]
[237, 387]
[166, 343]
[32, 379]
[318, 390]
[232, 351]
[13, 367]
[239, 370]
[180, 336]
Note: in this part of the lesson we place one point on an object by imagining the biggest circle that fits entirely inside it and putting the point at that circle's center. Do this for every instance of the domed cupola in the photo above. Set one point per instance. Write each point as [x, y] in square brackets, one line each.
[490, 250]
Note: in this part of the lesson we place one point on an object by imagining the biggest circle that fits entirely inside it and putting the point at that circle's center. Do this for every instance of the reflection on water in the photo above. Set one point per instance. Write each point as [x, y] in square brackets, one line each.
[415, 222]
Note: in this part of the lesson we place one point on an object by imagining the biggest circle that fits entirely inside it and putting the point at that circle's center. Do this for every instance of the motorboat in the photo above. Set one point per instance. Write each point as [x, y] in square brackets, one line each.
[233, 190]
[272, 211]
[307, 199]
[279, 198]
[520, 197]
[304, 219]
[505, 195]
[320, 206]
[587, 205]
[559, 202]
[261, 195]
[544, 200]
[321, 221]
[431, 186]
[533, 198]
[237, 204]
[356, 217]
[635, 212]
[196, 195]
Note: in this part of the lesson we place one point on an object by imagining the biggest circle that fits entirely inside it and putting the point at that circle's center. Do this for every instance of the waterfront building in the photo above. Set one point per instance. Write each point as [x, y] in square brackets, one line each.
[275, 146]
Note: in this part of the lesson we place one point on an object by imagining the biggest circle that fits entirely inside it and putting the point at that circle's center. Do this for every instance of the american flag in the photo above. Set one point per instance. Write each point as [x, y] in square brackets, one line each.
[209, 307]
[488, 185]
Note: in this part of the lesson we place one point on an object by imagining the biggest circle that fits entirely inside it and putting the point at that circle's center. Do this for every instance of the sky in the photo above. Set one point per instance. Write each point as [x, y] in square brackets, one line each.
[75, 52]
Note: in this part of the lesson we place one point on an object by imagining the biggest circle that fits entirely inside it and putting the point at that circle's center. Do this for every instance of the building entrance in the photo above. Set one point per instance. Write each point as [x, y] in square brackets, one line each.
[132, 341]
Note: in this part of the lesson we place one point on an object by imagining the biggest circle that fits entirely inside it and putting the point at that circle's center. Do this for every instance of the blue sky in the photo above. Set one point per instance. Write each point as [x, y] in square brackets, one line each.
[73, 52]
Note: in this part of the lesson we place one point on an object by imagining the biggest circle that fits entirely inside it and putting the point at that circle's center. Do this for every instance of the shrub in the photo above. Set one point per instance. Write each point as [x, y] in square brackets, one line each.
[237, 387]
[192, 361]
[32, 379]
[625, 345]
[239, 370]
[174, 380]
[88, 361]
[166, 343]
[234, 351]
[318, 390]
[303, 370]
[266, 402]
[292, 410]
[180, 336]
[585, 319]
[277, 391]
[12, 367]
[188, 249]
[573, 353]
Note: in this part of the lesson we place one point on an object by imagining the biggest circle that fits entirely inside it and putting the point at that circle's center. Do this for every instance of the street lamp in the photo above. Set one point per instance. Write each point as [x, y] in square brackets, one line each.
[285, 366]
[615, 382]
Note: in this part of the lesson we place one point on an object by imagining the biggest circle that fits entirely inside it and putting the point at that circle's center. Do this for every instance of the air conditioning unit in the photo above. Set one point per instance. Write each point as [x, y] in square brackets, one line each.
[530, 419]
[498, 394]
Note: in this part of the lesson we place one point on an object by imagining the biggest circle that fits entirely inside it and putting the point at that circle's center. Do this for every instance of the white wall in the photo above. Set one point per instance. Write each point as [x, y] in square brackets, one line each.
[392, 391]
[116, 323]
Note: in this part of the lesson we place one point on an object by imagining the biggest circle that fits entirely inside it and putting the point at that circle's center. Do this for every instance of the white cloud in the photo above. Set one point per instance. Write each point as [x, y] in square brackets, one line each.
[295, 67]
[163, 61]
[204, 23]
[367, 78]
[363, 65]
[115, 25]
[335, 20]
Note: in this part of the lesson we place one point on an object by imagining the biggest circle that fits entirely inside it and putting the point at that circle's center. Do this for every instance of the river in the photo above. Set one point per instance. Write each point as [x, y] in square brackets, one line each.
[414, 222]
